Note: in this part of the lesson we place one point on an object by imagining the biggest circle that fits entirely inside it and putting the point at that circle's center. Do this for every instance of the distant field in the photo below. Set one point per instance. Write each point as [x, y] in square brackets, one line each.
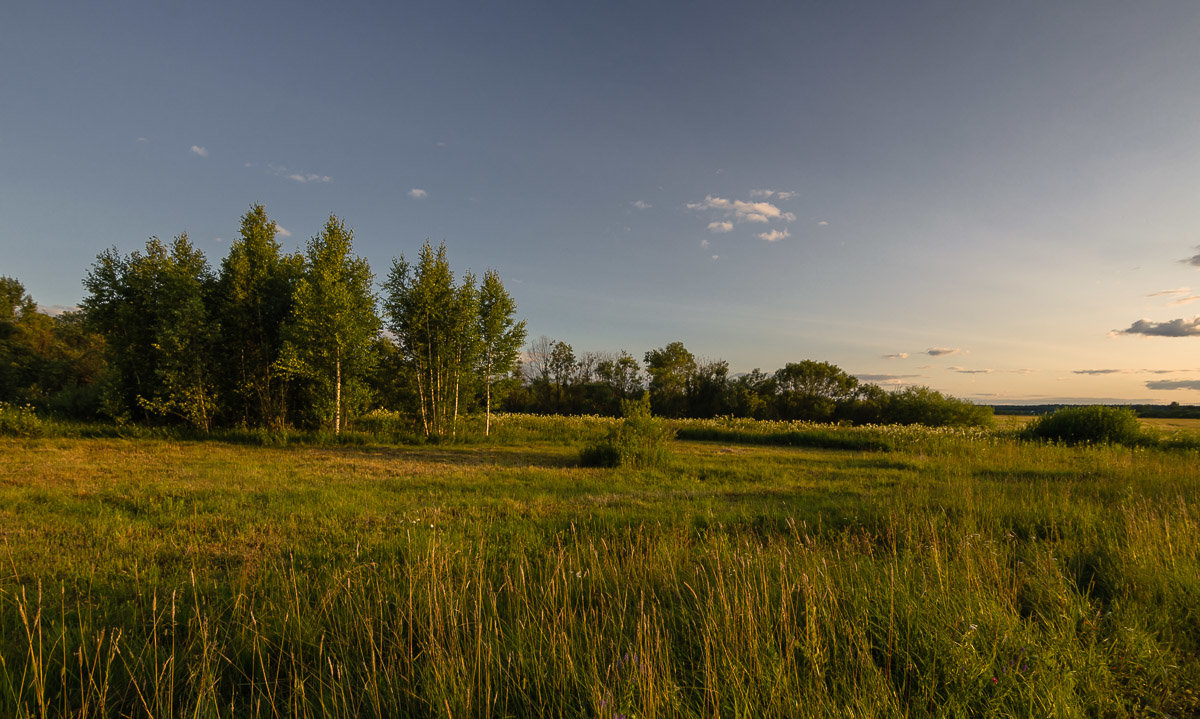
[959, 573]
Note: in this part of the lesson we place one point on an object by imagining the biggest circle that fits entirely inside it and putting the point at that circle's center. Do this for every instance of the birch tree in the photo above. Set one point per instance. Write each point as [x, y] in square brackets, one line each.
[333, 322]
[500, 337]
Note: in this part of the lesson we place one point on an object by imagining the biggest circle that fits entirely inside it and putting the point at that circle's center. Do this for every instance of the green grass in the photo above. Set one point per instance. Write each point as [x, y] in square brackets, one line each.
[956, 574]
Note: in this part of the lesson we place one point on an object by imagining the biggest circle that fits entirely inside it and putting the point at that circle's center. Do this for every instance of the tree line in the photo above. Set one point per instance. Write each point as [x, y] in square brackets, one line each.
[679, 384]
[271, 340]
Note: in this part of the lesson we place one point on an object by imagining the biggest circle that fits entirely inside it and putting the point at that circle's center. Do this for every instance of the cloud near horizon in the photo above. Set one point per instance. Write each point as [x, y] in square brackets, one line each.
[895, 356]
[1176, 291]
[281, 231]
[1165, 384]
[1171, 328]
[964, 370]
[940, 351]
[1098, 371]
[1194, 260]
[886, 377]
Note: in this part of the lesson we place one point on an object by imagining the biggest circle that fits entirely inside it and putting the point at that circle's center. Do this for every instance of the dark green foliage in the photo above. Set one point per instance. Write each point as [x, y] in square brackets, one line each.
[670, 368]
[154, 311]
[48, 362]
[1093, 423]
[828, 437]
[922, 405]
[255, 293]
[639, 441]
[812, 391]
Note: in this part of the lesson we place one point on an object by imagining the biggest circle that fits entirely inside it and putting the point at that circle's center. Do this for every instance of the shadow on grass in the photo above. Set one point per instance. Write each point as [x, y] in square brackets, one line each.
[464, 457]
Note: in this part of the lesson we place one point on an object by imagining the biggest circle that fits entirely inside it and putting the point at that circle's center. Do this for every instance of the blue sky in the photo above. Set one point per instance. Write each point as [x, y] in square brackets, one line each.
[992, 199]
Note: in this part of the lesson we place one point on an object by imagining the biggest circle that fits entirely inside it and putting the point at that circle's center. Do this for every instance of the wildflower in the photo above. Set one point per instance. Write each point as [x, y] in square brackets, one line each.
[995, 680]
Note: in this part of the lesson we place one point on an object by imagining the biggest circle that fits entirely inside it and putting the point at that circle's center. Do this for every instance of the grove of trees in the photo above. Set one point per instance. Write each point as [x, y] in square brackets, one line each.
[268, 340]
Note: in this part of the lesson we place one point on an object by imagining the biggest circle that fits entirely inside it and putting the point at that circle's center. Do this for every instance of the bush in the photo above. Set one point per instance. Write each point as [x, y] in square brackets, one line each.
[1093, 423]
[639, 440]
[921, 405]
[19, 421]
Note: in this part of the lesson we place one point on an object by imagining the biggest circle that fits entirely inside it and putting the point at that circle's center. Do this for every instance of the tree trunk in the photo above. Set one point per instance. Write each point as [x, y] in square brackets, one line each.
[487, 393]
[337, 393]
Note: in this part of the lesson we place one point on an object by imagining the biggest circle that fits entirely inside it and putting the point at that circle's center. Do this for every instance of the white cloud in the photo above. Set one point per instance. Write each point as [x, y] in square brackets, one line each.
[641, 204]
[777, 194]
[705, 243]
[142, 139]
[897, 355]
[715, 256]
[417, 193]
[297, 177]
[823, 223]
[720, 226]
[282, 232]
[741, 210]
[201, 151]
[774, 235]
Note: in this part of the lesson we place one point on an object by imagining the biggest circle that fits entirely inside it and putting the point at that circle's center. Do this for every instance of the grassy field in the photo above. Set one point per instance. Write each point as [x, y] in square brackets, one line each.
[941, 573]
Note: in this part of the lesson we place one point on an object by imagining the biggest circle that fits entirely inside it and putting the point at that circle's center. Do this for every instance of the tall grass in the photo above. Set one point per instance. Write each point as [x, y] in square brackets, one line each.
[955, 574]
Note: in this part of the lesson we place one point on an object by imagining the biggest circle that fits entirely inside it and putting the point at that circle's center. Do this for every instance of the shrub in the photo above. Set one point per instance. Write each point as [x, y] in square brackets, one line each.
[639, 440]
[1093, 423]
[922, 405]
[19, 421]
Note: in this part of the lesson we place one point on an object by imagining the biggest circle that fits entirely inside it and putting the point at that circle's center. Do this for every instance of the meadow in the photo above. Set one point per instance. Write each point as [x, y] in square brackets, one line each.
[836, 572]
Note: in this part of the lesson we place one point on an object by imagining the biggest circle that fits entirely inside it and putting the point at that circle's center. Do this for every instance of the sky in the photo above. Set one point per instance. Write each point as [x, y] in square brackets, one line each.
[996, 200]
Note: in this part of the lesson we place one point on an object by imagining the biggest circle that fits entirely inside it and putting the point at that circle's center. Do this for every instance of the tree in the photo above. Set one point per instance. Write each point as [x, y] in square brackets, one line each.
[812, 390]
[16, 308]
[256, 289]
[708, 389]
[500, 337]
[670, 369]
[561, 366]
[333, 324]
[153, 310]
[435, 325]
[622, 374]
[753, 395]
